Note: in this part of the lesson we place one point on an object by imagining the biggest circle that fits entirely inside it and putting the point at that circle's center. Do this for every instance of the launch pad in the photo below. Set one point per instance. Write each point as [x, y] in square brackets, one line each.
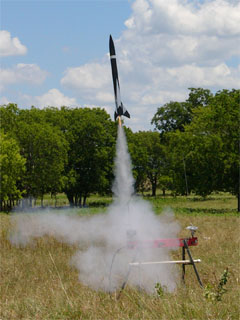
[183, 243]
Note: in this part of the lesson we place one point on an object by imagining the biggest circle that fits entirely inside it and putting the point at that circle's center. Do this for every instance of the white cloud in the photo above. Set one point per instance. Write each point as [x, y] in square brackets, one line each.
[105, 97]
[160, 97]
[92, 75]
[10, 46]
[22, 73]
[92, 82]
[177, 32]
[108, 109]
[4, 100]
[53, 98]
[218, 76]
[180, 16]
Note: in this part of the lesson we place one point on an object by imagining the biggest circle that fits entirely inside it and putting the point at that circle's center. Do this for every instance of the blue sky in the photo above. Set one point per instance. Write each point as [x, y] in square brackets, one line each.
[163, 47]
[81, 26]
[60, 34]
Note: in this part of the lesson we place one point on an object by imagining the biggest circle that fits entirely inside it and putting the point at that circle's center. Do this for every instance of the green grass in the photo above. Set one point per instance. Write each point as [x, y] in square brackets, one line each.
[216, 203]
[37, 282]
[61, 200]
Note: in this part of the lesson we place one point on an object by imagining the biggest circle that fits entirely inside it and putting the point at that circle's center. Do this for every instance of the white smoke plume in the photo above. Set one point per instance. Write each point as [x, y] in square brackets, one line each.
[103, 256]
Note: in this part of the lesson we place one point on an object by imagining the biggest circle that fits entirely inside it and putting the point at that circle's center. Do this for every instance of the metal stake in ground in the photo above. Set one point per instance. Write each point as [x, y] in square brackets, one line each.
[192, 262]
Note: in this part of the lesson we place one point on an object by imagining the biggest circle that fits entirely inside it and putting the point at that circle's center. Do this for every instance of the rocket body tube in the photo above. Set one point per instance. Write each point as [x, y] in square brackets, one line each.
[120, 109]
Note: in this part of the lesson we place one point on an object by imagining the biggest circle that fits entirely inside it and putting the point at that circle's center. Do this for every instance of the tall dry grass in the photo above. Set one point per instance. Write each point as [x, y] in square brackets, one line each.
[37, 282]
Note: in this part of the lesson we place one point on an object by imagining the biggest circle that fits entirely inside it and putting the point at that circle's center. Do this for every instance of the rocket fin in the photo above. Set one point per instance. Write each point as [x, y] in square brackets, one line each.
[125, 112]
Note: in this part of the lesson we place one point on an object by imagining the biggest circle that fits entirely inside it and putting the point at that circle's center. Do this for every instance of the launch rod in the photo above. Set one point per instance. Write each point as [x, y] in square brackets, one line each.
[164, 262]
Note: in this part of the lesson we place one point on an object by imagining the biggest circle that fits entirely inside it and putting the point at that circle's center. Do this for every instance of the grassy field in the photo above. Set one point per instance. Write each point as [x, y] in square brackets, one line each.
[216, 203]
[37, 282]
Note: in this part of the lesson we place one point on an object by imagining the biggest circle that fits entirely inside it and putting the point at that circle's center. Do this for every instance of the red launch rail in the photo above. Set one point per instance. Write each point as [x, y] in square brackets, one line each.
[163, 243]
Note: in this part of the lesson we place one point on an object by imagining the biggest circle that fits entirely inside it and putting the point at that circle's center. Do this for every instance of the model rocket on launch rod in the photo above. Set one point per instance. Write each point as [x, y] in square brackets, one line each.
[120, 109]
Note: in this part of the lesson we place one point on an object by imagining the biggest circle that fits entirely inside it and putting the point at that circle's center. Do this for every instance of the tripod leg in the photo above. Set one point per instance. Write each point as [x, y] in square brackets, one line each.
[192, 262]
[124, 283]
[183, 265]
[127, 276]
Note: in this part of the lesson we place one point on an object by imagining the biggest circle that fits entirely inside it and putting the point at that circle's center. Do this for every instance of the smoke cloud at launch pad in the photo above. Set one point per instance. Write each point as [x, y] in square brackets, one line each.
[103, 256]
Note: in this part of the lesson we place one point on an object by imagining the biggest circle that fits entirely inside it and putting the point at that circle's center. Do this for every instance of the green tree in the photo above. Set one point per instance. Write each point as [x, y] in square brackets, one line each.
[139, 157]
[175, 115]
[172, 116]
[199, 97]
[195, 162]
[210, 146]
[8, 118]
[91, 135]
[12, 168]
[45, 151]
[220, 119]
[149, 160]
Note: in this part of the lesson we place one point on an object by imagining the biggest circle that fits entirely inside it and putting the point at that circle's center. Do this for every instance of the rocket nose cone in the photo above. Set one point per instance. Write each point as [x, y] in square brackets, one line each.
[110, 41]
[111, 46]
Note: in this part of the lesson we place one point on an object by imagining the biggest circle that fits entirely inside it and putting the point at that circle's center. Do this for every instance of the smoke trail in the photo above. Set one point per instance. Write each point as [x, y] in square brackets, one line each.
[103, 257]
[123, 184]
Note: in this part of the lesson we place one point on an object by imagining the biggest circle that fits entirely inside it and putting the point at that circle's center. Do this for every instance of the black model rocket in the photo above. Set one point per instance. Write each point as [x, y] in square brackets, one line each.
[120, 109]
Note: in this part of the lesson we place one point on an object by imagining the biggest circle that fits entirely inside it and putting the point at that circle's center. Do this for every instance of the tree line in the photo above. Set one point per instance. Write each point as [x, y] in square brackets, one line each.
[193, 149]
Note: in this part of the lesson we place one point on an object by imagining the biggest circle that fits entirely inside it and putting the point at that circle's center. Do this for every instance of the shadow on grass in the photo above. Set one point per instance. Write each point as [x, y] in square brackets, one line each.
[97, 204]
[206, 211]
[210, 198]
